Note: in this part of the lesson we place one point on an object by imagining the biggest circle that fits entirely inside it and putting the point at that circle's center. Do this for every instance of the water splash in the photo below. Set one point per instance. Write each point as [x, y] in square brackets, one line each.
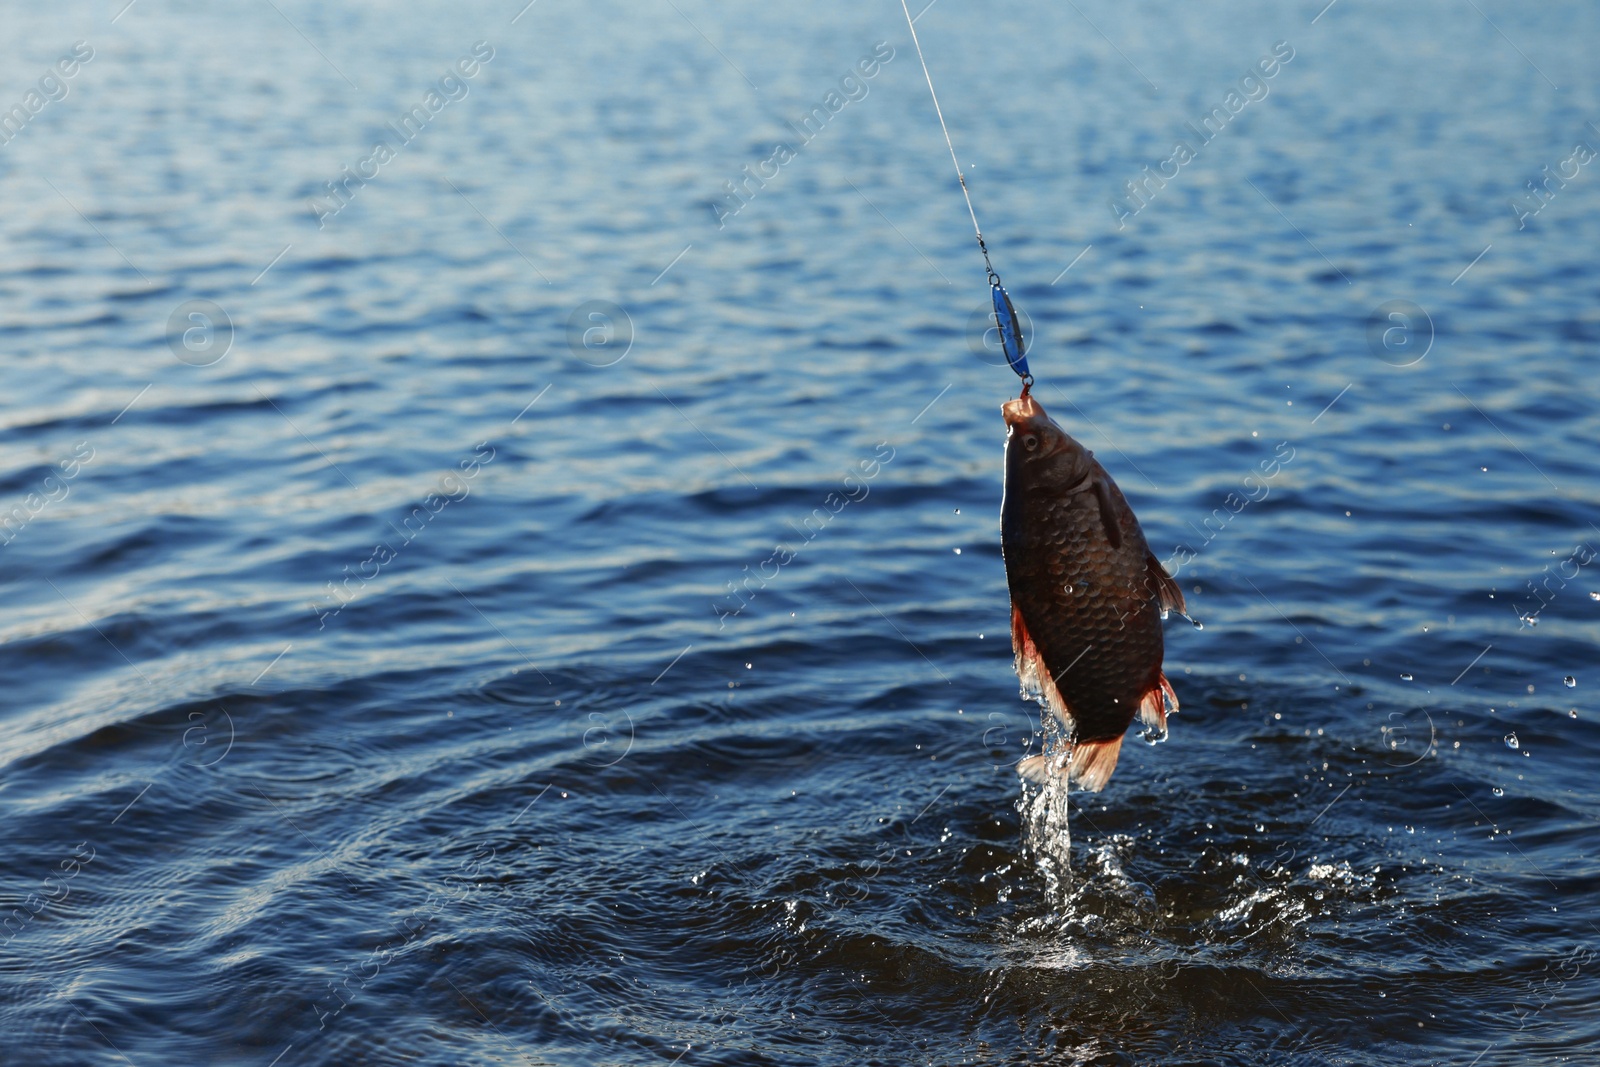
[1046, 837]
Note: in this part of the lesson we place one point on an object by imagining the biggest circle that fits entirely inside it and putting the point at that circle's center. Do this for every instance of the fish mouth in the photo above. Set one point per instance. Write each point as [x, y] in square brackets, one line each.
[1026, 415]
[1022, 411]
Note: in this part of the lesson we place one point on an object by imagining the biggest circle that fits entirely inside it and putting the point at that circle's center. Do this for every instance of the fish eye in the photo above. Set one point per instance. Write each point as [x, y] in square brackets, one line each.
[1030, 442]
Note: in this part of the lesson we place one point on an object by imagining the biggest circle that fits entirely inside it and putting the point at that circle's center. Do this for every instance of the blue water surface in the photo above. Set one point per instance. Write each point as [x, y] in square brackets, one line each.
[531, 594]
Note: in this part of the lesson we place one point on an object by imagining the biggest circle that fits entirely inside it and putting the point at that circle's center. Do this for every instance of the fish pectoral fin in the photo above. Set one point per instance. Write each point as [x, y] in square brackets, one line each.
[1158, 702]
[1108, 513]
[1032, 671]
[1092, 763]
[1167, 590]
[1081, 485]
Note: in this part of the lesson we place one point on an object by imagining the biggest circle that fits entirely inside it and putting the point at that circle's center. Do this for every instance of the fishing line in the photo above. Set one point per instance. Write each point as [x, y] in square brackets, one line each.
[1005, 316]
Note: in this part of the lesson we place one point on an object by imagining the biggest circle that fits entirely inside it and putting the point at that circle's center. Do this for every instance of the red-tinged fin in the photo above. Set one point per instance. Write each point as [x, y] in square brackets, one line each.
[1093, 762]
[1167, 591]
[1158, 702]
[1025, 656]
[1032, 671]
[1090, 766]
[1037, 769]
[1108, 514]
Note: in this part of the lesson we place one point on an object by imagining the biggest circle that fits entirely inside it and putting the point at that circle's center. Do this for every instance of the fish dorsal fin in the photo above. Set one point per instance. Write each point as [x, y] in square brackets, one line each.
[1033, 673]
[1166, 589]
[1108, 512]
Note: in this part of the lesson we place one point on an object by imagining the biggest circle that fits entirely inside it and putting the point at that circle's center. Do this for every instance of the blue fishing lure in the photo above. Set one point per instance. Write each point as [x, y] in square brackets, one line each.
[1005, 319]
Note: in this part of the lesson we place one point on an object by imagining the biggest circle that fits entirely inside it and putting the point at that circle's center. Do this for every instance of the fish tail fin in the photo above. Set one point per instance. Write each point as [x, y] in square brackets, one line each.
[1036, 769]
[1089, 766]
[1158, 702]
[1092, 763]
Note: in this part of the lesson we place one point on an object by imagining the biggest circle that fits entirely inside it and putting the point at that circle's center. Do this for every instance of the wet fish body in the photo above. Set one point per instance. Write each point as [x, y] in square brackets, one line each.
[1087, 598]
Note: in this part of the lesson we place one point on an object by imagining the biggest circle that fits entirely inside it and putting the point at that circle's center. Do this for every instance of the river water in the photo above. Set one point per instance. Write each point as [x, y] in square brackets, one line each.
[547, 609]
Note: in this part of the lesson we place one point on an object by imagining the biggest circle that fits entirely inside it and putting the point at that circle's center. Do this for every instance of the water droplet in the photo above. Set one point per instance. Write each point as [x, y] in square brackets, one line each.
[1198, 625]
[1405, 678]
[1260, 829]
[1499, 792]
[1067, 588]
[958, 552]
[958, 511]
[1594, 596]
[1511, 740]
[1573, 712]
[1411, 829]
[1570, 682]
[749, 666]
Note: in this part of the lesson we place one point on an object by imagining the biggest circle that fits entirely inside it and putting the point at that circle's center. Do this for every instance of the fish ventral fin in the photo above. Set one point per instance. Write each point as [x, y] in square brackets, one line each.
[1168, 594]
[1108, 515]
[1033, 673]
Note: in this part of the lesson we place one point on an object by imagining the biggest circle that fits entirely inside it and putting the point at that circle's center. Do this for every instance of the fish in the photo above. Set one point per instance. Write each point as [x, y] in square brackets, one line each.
[1087, 600]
